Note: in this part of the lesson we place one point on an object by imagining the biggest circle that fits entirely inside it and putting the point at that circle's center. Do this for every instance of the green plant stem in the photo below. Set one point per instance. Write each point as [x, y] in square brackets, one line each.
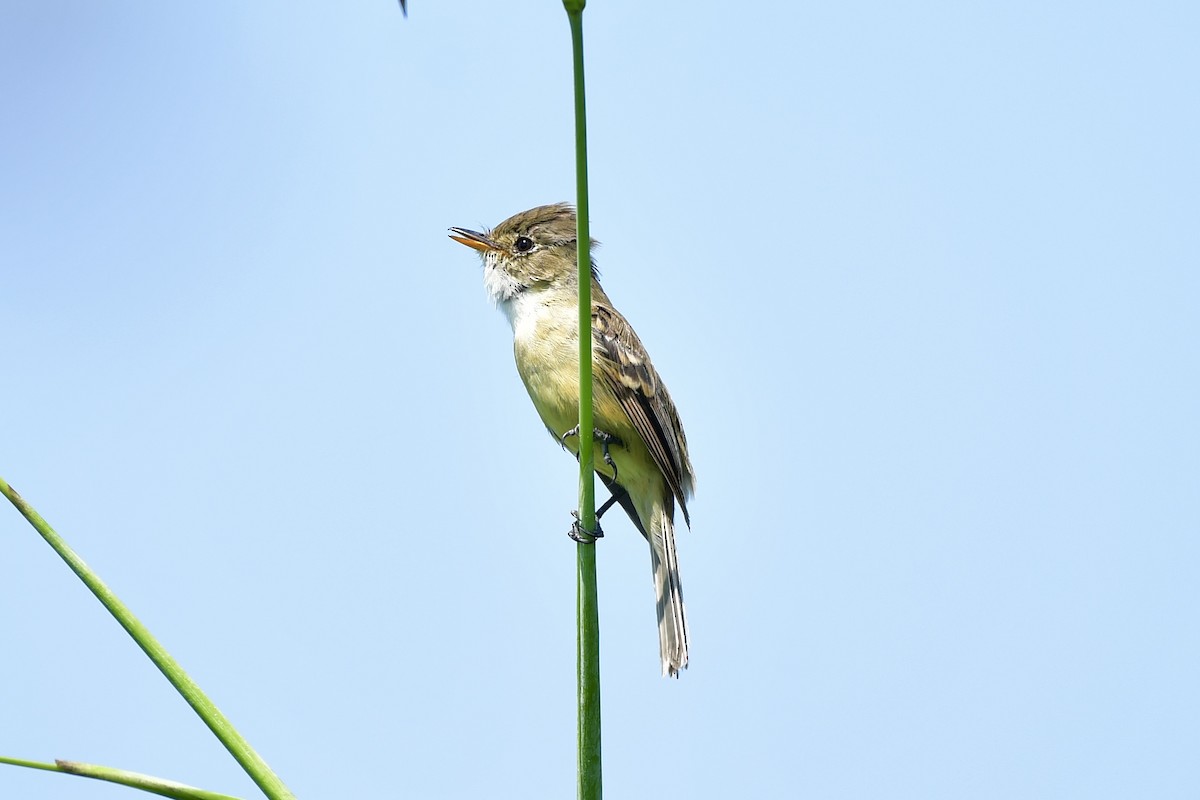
[238, 747]
[136, 780]
[590, 785]
[587, 478]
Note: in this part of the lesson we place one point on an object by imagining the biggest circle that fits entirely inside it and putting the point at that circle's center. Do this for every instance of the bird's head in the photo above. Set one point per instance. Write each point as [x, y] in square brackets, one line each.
[535, 249]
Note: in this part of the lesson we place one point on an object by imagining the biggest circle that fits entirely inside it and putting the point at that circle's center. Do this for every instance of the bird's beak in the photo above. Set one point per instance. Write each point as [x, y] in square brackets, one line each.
[473, 239]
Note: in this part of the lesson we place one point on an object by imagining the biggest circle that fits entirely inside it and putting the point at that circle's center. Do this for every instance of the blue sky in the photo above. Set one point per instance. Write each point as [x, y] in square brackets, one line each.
[923, 282]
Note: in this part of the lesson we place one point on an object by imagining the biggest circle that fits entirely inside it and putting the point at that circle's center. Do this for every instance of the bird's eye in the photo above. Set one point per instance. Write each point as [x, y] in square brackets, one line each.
[523, 244]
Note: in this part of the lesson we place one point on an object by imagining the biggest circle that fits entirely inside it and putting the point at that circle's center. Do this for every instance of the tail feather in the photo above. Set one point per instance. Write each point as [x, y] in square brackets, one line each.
[668, 591]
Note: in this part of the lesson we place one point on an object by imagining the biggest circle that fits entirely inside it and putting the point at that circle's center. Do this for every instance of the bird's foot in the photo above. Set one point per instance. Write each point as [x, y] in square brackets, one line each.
[604, 438]
[573, 432]
[578, 534]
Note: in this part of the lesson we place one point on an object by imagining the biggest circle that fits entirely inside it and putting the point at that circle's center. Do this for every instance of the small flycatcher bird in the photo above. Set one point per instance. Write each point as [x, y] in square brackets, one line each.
[529, 270]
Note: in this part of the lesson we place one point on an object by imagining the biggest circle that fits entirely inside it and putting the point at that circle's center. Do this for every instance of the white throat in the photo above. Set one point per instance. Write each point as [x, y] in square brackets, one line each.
[500, 285]
[505, 291]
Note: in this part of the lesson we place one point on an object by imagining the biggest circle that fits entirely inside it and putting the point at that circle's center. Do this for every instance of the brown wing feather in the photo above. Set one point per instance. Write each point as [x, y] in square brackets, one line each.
[644, 399]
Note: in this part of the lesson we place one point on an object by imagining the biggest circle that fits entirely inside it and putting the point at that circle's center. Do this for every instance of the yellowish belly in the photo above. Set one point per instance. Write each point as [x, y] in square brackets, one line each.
[547, 355]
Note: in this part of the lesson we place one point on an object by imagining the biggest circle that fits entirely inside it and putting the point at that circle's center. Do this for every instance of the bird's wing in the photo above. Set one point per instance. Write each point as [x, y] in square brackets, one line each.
[644, 399]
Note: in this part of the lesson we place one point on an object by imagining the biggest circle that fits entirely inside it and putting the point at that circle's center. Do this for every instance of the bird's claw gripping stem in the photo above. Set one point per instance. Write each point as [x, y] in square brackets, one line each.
[604, 438]
[578, 534]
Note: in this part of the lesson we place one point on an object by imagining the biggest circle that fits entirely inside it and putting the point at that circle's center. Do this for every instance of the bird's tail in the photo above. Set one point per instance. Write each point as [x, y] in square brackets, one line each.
[668, 591]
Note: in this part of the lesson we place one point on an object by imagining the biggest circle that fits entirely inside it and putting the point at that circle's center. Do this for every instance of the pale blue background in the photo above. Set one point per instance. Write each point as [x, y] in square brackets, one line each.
[923, 280]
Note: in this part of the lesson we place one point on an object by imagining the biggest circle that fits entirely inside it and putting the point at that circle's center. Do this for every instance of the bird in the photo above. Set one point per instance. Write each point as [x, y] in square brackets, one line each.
[530, 272]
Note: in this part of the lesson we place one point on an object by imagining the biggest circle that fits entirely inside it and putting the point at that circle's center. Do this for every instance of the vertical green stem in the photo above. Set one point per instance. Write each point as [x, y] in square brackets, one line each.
[587, 478]
[218, 723]
[590, 786]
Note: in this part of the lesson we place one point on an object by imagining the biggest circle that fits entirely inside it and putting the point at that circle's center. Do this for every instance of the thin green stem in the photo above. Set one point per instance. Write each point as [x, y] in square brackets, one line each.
[590, 785]
[221, 727]
[587, 478]
[135, 780]
[22, 762]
